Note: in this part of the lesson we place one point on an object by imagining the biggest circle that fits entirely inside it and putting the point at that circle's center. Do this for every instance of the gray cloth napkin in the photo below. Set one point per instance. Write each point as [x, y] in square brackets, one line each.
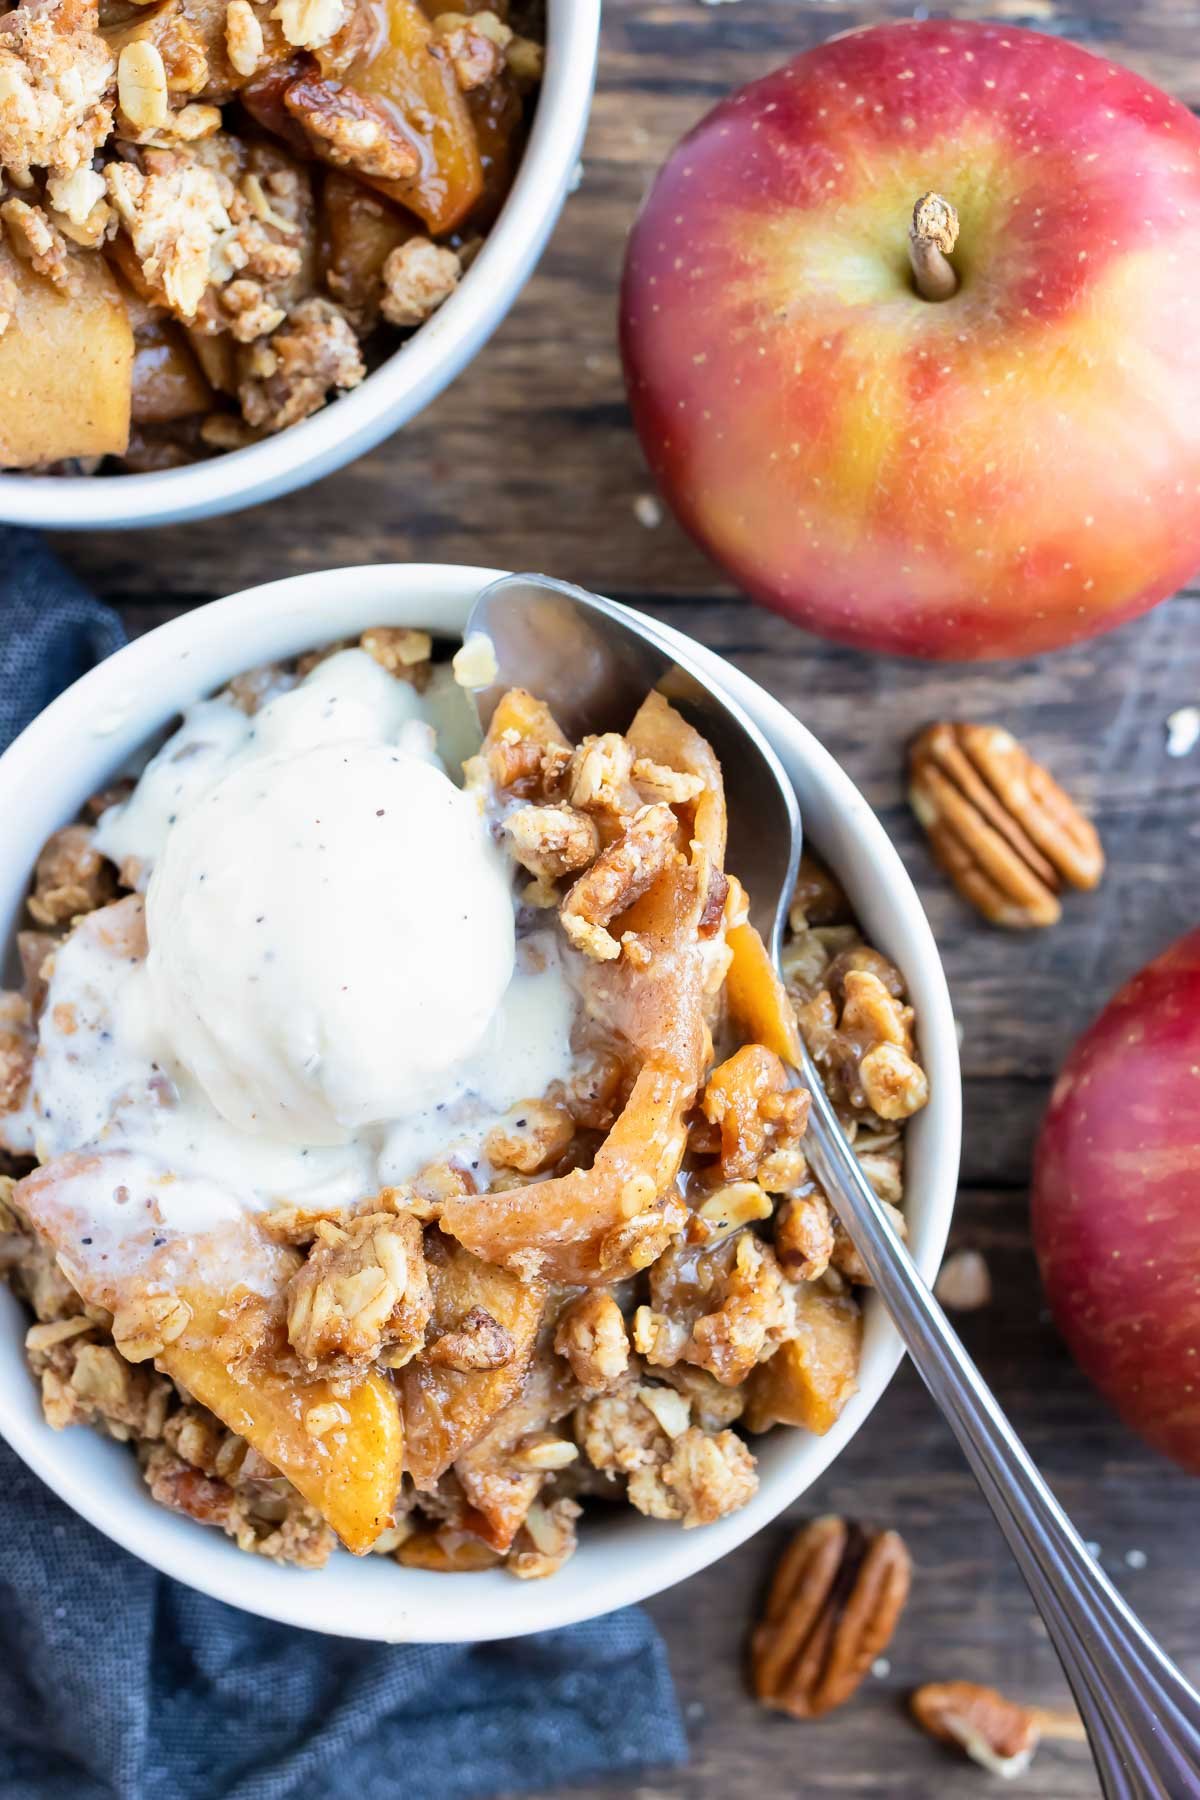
[118, 1684]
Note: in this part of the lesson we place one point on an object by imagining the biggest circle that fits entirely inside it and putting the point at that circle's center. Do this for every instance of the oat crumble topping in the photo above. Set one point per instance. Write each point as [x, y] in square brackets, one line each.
[56, 88]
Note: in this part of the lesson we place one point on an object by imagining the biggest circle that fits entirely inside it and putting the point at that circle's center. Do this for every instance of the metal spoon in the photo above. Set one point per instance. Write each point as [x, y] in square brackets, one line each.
[593, 662]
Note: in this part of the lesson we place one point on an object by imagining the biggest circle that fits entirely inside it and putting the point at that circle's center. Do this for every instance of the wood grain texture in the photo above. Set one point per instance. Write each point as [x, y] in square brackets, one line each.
[529, 461]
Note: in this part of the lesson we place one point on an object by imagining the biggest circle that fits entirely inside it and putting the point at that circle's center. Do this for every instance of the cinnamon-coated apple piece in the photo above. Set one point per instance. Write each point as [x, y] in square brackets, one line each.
[360, 229]
[530, 718]
[217, 357]
[167, 380]
[446, 1550]
[482, 1315]
[811, 1377]
[66, 362]
[500, 1479]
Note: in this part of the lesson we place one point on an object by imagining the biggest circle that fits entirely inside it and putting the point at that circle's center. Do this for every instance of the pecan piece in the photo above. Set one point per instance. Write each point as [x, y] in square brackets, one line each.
[832, 1607]
[350, 130]
[999, 825]
[551, 841]
[759, 1116]
[478, 1342]
[621, 874]
[591, 1335]
[1001, 1735]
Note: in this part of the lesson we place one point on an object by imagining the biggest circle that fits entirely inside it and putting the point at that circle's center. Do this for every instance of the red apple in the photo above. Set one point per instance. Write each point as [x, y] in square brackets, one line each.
[995, 473]
[1116, 1202]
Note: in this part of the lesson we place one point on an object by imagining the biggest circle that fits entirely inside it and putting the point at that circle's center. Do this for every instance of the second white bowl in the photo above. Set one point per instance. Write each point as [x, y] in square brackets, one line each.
[410, 378]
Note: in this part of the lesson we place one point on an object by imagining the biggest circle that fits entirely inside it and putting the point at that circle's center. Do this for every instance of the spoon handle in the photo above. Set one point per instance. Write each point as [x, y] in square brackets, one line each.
[1142, 1717]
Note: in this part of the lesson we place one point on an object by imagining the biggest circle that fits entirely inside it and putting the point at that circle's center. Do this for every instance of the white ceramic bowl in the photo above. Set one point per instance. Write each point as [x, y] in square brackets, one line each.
[410, 378]
[68, 753]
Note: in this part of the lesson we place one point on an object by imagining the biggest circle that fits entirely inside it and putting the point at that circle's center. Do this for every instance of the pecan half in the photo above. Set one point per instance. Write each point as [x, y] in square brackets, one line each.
[833, 1605]
[351, 130]
[999, 825]
[1001, 1735]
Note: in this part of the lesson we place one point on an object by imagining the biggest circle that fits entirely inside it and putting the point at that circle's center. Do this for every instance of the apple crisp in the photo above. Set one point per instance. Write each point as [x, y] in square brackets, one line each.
[218, 215]
[437, 1333]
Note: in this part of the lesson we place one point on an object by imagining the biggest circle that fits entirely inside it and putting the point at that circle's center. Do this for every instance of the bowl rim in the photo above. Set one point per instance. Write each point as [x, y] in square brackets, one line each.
[412, 376]
[118, 705]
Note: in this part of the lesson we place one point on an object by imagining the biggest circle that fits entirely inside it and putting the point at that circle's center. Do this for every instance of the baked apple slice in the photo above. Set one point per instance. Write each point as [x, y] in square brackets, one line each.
[661, 735]
[209, 1309]
[477, 1348]
[757, 999]
[167, 382]
[361, 229]
[604, 1223]
[341, 1449]
[421, 89]
[66, 363]
[502, 1475]
[810, 1377]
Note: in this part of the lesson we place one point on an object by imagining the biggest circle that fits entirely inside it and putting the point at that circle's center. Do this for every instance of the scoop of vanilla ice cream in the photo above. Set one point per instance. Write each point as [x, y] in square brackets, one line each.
[331, 931]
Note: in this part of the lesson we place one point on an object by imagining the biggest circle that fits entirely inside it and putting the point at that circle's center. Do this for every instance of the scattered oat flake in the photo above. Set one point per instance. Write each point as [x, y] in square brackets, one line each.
[647, 511]
[474, 663]
[1183, 730]
[1136, 1559]
[964, 1284]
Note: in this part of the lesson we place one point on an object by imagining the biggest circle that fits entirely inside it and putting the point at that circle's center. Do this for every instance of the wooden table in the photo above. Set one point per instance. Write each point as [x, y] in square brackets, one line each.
[529, 461]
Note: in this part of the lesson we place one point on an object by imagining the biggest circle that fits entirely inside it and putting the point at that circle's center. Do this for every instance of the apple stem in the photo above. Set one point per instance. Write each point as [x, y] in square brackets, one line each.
[932, 236]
